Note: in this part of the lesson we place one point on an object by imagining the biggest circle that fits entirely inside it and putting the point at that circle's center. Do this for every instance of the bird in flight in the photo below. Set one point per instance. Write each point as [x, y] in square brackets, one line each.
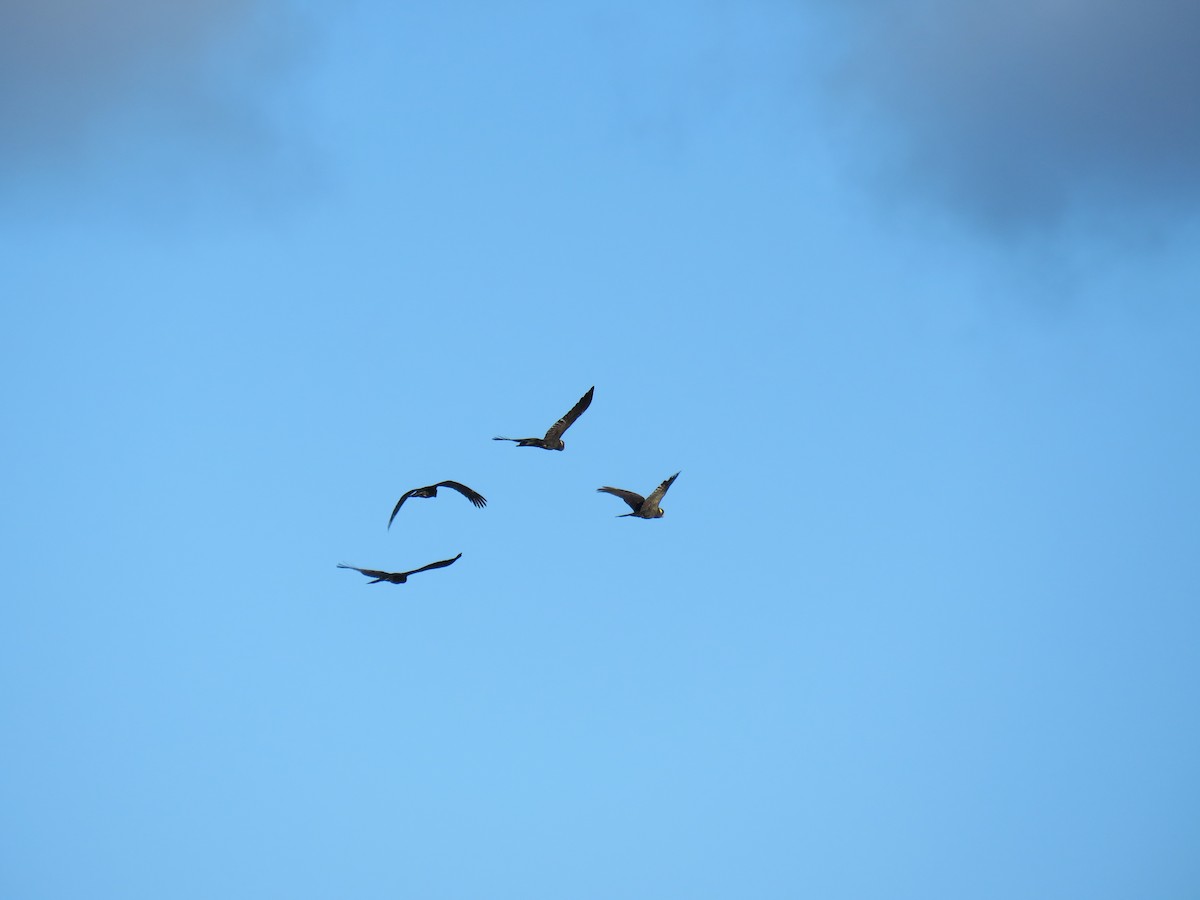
[643, 507]
[430, 490]
[553, 439]
[397, 577]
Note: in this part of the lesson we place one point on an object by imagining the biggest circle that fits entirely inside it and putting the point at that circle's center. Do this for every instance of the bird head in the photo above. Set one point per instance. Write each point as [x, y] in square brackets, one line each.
[560, 444]
[658, 513]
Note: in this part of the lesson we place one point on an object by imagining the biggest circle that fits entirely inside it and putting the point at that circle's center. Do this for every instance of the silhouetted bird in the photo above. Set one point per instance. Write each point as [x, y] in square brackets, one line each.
[643, 507]
[430, 490]
[553, 438]
[396, 577]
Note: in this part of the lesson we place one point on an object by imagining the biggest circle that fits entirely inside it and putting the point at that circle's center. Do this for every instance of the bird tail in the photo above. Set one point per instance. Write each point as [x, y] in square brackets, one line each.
[505, 439]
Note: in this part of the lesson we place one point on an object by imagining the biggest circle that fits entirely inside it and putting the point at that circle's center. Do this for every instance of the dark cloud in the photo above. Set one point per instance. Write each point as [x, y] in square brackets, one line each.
[1025, 111]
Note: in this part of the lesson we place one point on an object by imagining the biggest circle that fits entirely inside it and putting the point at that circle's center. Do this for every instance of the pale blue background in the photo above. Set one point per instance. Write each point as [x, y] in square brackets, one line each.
[922, 618]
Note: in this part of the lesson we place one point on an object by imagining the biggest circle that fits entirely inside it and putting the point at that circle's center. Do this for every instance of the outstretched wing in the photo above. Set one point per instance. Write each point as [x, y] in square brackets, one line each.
[400, 503]
[370, 573]
[433, 565]
[556, 430]
[474, 496]
[657, 494]
[635, 501]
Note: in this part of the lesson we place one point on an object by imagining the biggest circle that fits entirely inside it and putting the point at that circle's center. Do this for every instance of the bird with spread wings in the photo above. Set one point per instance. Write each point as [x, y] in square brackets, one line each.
[643, 507]
[430, 490]
[553, 439]
[397, 577]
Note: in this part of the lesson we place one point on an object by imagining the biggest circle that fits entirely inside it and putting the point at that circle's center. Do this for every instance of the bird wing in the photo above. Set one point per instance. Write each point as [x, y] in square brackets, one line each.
[657, 494]
[400, 503]
[370, 573]
[556, 430]
[474, 496]
[634, 500]
[433, 565]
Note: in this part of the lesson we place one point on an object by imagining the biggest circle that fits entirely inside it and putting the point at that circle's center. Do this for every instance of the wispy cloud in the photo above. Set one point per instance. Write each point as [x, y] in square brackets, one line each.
[1022, 112]
[64, 62]
[143, 82]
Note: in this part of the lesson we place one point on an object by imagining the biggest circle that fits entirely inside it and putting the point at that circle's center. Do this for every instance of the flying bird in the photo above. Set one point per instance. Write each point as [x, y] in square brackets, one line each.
[553, 439]
[396, 577]
[430, 490]
[643, 507]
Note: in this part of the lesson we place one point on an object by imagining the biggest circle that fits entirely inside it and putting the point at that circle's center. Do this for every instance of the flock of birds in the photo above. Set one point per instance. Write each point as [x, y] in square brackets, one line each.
[642, 507]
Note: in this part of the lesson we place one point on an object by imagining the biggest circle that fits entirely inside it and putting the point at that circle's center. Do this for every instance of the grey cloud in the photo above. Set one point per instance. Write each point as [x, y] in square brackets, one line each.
[1026, 111]
[131, 87]
[63, 62]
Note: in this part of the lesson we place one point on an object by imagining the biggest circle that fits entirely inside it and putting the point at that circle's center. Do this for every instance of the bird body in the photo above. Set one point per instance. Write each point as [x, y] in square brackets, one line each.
[397, 577]
[643, 507]
[553, 439]
[430, 490]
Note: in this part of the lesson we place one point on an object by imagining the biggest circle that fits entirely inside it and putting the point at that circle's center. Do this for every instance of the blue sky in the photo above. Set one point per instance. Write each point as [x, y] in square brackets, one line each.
[920, 620]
